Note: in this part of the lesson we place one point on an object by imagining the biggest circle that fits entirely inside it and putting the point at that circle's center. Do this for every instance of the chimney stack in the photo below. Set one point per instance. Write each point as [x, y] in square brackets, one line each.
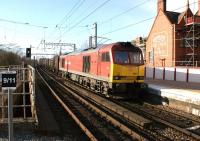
[188, 5]
[162, 4]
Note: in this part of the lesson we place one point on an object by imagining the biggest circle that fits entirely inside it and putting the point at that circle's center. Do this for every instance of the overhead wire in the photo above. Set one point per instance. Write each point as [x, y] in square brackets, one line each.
[65, 17]
[85, 10]
[116, 16]
[127, 26]
[100, 6]
[139, 22]
[120, 14]
[22, 23]
[76, 6]
[124, 12]
[14, 22]
[84, 18]
[75, 19]
[72, 11]
[80, 4]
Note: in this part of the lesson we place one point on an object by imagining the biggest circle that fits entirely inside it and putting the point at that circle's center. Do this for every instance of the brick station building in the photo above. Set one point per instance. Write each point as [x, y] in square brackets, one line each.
[174, 39]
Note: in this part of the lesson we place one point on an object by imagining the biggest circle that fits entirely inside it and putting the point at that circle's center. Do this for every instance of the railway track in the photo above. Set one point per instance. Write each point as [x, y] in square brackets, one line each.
[103, 127]
[177, 117]
[175, 127]
[158, 129]
[60, 115]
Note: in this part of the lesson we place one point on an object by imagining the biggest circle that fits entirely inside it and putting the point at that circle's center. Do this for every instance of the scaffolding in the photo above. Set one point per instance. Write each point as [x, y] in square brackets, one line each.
[191, 41]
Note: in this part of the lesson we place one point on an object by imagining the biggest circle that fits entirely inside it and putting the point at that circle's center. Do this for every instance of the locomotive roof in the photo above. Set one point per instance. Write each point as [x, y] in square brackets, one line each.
[125, 44]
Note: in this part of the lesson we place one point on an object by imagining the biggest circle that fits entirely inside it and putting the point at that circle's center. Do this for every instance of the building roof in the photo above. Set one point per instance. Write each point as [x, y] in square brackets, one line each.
[181, 16]
[173, 16]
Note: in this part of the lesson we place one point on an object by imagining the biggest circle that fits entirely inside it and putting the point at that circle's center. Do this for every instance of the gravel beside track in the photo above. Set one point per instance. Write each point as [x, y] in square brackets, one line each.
[99, 127]
[53, 122]
[165, 129]
[168, 124]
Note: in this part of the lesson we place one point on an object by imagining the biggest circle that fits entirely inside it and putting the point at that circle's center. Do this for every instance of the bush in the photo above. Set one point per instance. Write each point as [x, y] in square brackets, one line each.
[9, 58]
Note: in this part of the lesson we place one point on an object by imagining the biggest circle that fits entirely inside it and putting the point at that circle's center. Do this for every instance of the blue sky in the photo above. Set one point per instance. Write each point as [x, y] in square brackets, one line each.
[31, 16]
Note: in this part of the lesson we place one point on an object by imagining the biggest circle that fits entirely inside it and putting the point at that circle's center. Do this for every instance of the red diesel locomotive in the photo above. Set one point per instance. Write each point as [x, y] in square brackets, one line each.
[108, 69]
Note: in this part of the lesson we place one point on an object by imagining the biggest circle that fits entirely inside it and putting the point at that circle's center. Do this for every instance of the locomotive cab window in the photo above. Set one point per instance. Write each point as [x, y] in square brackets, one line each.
[121, 57]
[105, 57]
[136, 57]
[126, 57]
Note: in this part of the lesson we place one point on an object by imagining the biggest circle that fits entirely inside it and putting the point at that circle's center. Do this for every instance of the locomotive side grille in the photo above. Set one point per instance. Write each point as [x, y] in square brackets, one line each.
[140, 77]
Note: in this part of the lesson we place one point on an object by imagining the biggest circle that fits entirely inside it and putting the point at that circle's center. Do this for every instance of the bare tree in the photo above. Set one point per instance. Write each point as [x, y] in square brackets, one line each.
[9, 58]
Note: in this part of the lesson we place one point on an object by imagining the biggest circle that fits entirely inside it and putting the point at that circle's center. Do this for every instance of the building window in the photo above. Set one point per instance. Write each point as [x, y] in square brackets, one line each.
[151, 57]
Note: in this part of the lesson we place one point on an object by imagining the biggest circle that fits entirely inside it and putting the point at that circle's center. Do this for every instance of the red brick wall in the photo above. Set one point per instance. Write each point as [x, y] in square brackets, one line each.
[160, 42]
[165, 45]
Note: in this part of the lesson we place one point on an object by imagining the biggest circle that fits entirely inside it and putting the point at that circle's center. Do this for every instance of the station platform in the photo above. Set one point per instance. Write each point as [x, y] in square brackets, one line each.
[181, 95]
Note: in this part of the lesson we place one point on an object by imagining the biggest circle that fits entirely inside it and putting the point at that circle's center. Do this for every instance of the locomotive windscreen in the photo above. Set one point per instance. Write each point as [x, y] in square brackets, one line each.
[128, 57]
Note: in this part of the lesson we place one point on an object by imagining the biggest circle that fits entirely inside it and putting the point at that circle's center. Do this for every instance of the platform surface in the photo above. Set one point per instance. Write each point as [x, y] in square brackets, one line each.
[182, 91]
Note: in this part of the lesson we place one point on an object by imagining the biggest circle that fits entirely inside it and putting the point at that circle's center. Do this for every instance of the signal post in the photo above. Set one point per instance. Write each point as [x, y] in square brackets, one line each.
[9, 84]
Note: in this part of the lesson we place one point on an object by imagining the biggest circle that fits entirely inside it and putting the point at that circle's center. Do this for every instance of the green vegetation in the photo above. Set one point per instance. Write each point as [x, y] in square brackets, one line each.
[9, 58]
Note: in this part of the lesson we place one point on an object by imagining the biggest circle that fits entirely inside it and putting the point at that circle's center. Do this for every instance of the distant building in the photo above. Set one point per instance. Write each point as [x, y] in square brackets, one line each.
[174, 39]
[141, 43]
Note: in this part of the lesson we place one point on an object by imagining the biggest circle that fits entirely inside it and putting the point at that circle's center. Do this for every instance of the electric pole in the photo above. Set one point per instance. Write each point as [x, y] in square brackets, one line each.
[95, 34]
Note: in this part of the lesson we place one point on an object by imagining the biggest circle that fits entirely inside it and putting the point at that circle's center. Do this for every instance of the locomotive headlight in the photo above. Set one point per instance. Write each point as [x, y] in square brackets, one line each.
[116, 78]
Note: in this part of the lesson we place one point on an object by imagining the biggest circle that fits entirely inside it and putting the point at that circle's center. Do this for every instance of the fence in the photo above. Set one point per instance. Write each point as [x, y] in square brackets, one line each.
[174, 73]
[23, 96]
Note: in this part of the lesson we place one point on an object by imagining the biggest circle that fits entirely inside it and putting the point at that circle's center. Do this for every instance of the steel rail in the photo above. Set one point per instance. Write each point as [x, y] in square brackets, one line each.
[124, 128]
[180, 113]
[156, 118]
[120, 110]
[80, 124]
[116, 123]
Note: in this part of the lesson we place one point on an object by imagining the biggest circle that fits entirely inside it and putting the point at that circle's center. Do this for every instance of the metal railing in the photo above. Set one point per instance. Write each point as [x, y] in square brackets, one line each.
[23, 96]
[187, 63]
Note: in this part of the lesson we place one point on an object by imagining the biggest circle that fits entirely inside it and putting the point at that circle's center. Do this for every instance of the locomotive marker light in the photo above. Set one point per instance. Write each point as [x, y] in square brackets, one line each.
[9, 84]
